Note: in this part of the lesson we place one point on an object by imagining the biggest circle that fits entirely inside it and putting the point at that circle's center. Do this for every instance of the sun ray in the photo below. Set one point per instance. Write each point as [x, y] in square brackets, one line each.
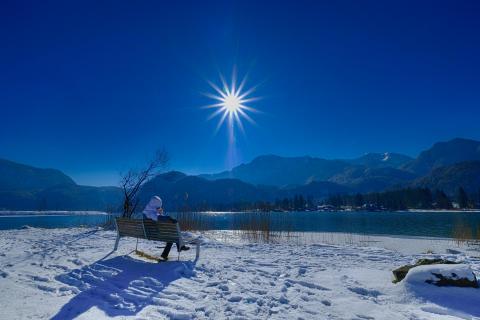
[242, 83]
[216, 113]
[210, 106]
[239, 122]
[222, 120]
[226, 89]
[231, 102]
[246, 116]
[216, 88]
[212, 96]
[234, 81]
[243, 107]
[242, 101]
[248, 92]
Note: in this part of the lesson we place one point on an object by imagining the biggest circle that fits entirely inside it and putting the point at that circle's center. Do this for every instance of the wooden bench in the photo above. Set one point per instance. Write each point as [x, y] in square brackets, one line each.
[155, 231]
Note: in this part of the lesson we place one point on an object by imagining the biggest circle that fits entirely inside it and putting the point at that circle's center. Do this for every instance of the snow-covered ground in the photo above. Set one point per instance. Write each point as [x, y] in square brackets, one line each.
[69, 273]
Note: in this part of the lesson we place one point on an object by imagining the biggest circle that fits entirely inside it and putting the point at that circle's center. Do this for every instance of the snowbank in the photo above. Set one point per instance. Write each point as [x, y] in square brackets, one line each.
[454, 301]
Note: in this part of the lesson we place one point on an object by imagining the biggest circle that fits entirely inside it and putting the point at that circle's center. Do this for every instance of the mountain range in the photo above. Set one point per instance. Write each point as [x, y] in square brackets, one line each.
[446, 166]
[24, 187]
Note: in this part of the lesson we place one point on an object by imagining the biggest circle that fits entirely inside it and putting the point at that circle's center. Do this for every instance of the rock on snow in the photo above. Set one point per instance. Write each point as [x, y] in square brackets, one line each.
[460, 275]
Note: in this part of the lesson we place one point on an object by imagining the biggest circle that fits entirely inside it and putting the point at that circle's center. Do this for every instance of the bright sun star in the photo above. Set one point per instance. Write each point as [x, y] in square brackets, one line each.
[231, 102]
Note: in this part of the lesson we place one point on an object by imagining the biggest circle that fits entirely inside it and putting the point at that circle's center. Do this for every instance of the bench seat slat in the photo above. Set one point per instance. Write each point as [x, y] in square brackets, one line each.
[165, 239]
[129, 222]
[174, 240]
[132, 235]
[161, 234]
[155, 236]
[159, 229]
[169, 226]
[134, 231]
[172, 228]
[130, 227]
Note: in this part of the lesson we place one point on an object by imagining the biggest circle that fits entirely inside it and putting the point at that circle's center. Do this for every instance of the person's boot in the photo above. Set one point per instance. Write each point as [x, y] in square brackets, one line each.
[184, 248]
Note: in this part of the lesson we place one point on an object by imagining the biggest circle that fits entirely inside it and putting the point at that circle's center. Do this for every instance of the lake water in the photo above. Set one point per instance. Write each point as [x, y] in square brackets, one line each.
[427, 224]
[52, 220]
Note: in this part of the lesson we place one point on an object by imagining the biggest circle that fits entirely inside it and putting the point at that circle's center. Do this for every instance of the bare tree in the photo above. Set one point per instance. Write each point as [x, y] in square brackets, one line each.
[132, 180]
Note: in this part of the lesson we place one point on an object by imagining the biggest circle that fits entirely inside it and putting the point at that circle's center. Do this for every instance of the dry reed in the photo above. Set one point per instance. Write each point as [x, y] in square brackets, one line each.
[463, 234]
[192, 221]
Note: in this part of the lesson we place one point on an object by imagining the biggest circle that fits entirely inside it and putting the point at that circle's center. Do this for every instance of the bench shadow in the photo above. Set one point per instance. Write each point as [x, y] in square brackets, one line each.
[120, 286]
[460, 301]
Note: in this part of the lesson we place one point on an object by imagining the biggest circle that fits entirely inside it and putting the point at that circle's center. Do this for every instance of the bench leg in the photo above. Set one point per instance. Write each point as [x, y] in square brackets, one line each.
[116, 243]
[197, 251]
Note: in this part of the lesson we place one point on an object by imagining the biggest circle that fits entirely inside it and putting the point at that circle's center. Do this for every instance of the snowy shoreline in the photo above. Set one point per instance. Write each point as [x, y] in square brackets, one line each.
[442, 211]
[86, 212]
[71, 273]
[9, 213]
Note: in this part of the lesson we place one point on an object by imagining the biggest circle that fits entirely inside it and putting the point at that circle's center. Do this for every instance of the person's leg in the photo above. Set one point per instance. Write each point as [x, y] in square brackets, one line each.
[166, 251]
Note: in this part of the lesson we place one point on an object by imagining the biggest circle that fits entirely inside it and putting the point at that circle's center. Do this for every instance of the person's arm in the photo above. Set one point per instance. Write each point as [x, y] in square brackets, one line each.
[164, 218]
[164, 214]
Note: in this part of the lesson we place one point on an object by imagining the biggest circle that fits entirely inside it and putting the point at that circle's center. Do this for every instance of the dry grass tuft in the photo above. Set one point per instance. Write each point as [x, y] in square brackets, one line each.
[192, 221]
[463, 234]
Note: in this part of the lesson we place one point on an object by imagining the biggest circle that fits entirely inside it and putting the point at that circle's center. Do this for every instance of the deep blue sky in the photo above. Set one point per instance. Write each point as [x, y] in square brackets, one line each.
[92, 88]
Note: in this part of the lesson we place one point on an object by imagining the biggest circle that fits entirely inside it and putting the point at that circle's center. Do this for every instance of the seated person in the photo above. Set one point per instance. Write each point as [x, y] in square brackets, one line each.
[154, 211]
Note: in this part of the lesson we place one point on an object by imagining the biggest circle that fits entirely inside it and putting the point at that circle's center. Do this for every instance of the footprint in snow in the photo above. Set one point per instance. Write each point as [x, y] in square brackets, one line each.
[235, 299]
[57, 266]
[326, 303]
[305, 298]
[305, 284]
[46, 288]
[224, 287]
[365, 292]
[76, 262]
[39, 279]
[302, 271]
[363, 317]
[283, 300]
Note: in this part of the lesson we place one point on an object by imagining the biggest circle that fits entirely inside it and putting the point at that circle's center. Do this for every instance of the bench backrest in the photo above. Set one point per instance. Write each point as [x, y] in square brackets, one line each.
[162, 231]
[130, 228]
[147, 229]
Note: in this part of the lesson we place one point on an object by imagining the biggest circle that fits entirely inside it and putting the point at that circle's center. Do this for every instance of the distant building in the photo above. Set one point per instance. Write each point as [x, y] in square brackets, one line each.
[326, 207]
